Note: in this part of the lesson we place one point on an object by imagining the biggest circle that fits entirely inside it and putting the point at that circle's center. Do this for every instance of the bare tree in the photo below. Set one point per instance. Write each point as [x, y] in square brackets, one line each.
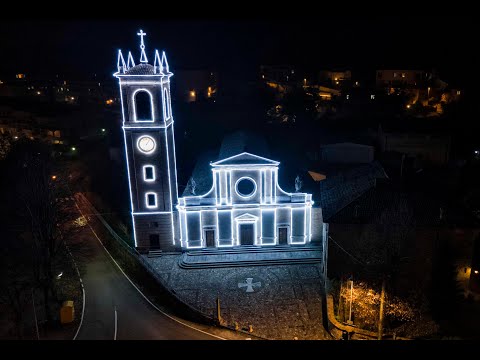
[398, 225]
[16, 279]
[36, 194]
[4, 146]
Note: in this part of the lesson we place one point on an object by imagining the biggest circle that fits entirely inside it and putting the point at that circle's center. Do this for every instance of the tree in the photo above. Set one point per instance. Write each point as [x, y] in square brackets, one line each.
[445, 292]
[4, 146]
[366, 305]
[399, 223]
[297, 102]
[34, 195]
[16, 279]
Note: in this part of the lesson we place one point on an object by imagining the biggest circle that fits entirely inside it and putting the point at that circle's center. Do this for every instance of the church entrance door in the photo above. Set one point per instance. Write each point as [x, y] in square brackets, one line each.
[246, 234]
[210, 238]
[282, 236]
[154, 241]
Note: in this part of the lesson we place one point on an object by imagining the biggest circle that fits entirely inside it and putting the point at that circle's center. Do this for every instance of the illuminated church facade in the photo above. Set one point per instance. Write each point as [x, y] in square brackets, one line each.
[245, 205]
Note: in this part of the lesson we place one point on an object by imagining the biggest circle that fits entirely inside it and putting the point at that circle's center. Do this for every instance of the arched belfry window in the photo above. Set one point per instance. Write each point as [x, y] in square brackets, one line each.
[166, 104]
[142, 103]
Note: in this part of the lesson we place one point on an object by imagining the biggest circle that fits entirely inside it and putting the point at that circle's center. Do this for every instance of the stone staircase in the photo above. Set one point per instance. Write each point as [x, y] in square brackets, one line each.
[155, 253]
[250, 256]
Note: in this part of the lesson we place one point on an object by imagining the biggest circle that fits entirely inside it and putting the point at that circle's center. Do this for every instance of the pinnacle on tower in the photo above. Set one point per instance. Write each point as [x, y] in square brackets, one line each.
[130, 62]
[143, 56]
[121, 67]
[157, 65]
[164, 62]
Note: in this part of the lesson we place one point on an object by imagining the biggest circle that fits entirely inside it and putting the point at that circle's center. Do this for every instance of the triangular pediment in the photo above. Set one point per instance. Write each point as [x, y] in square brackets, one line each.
[245, 158]
[246, 216]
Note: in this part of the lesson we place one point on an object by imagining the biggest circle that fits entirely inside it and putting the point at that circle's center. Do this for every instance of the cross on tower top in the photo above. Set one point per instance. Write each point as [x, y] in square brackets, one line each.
[143, 56]
[142, 34]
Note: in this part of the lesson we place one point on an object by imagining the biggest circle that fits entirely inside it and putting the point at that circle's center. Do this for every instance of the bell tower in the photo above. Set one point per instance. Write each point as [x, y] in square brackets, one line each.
[149, 149]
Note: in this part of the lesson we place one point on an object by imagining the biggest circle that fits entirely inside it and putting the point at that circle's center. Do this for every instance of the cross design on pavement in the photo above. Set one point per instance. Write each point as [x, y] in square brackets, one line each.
[249, 284]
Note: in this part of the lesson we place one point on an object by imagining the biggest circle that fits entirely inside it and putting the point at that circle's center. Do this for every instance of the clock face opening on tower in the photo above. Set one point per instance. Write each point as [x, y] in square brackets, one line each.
[146, 144]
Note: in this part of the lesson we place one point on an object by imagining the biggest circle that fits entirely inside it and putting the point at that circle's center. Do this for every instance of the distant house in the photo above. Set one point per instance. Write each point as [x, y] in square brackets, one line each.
[425, 148]
[340, 172]
[347, 153]
[335, 78]
[22, 124]
[195, 85]
[392, 78]
[390, 227]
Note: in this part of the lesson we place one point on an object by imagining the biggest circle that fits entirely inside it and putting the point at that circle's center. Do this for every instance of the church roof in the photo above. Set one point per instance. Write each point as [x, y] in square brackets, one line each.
[243, 141]
[245, 158]
[141, 69]
[202, 174]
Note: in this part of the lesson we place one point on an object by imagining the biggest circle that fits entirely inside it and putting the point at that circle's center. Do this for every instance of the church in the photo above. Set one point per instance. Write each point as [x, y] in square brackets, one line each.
[245, 207]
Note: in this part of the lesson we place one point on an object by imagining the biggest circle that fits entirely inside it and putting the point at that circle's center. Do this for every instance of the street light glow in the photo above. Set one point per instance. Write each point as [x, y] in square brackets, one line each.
[74, 148]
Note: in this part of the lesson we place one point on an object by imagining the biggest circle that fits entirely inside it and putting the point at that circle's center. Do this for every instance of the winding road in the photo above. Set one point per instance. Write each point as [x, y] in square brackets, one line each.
[115, 309]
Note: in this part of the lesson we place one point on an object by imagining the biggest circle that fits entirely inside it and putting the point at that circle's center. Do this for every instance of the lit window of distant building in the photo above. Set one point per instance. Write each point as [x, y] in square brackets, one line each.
[403, 75]
[372, 97]
[395, 74]
[192, 96]
[458, 92]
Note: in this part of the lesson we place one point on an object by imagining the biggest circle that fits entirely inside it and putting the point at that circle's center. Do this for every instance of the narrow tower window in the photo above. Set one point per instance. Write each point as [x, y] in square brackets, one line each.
[151, 199]
[142, 105]
[148, 173]
[166, 104]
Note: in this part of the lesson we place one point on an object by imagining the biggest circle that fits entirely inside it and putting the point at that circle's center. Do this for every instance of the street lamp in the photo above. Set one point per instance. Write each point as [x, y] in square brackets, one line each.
[349, 321]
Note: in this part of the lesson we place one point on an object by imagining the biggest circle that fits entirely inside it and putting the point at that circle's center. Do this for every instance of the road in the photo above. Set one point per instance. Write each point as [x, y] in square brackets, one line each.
[114, 308]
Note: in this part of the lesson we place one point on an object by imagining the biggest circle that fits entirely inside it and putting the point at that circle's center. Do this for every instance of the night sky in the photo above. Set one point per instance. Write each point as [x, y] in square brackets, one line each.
[79, 48]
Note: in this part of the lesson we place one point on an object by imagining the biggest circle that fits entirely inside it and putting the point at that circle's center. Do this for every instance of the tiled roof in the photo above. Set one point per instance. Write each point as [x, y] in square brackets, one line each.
[386, 204]
[344, 184]
[243, 141]
[202, 174]
[141, 69]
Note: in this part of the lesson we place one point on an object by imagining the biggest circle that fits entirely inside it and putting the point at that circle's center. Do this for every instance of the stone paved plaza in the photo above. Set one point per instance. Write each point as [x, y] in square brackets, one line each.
[281, 301]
